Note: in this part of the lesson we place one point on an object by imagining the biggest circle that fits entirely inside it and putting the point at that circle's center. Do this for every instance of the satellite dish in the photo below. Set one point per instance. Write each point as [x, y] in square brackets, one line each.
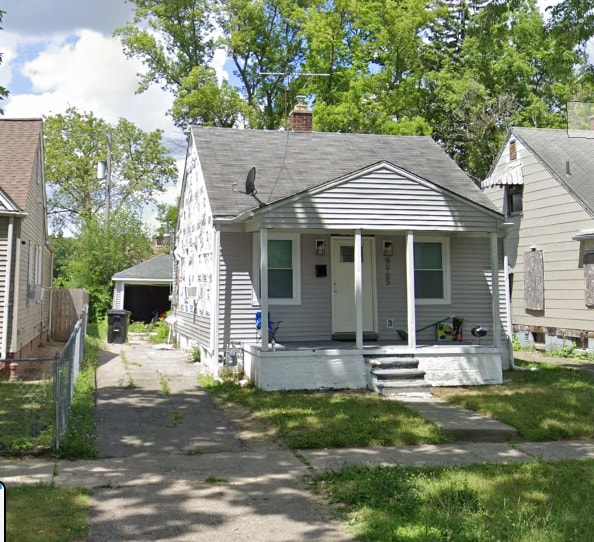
[250, 185]
[250, 182]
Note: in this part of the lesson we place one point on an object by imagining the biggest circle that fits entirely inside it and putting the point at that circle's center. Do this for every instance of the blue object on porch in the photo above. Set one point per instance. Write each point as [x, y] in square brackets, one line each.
[272, 326]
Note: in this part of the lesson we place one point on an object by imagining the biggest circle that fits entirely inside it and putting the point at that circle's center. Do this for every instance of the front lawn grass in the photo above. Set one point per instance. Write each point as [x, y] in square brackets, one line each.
[26, 416]
[548, 403]
[46, 513]
[523, 502]
[311, 420]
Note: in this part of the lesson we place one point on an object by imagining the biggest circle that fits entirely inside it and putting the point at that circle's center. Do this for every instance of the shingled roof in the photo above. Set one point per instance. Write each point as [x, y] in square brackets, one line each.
[157, 269]
[555, 149]
[288, 163]
[19, 143]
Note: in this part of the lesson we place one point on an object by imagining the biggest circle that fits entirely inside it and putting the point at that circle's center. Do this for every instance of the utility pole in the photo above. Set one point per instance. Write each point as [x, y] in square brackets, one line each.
[104, 174]
[108, 179]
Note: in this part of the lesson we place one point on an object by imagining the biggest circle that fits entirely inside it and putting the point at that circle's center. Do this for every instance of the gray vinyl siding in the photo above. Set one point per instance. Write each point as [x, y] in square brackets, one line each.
[382, 199]
[33, 314]
[3, 271]
[549, 219]
[470, 270]
[311, 320]
[194, 327]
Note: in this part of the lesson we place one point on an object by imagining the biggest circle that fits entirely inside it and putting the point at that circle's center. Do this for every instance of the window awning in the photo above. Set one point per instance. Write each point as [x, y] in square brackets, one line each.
[510, 175]
[584, 235]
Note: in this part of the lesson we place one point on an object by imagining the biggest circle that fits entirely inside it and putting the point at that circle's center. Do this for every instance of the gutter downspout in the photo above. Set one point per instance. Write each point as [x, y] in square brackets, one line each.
[15, 300]
[508, 315]
[215, 319]
[5, 315]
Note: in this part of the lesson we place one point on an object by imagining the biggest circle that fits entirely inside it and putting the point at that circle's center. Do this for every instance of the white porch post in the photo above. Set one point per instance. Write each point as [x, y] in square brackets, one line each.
[495, 291]
[264, 286]
[358, 290]
[410, 290]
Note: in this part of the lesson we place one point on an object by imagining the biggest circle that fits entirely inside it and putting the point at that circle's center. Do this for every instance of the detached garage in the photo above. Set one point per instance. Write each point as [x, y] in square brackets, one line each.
[144, 289]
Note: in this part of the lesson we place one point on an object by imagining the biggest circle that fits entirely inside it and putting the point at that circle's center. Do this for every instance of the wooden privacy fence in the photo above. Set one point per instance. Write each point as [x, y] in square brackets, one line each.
[67, 306]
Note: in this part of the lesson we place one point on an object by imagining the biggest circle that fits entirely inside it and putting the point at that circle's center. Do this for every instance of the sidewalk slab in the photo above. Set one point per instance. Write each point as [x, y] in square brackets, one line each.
[559, 450]
[26, 471]
[465, 425]
[415, 456]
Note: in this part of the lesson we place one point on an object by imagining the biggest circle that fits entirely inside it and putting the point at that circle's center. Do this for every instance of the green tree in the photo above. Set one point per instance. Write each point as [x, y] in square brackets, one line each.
[101, 250]
[167, 217]
[371, 51]
[174, 39]
[508, 70]
[74, 144]
[64, 248]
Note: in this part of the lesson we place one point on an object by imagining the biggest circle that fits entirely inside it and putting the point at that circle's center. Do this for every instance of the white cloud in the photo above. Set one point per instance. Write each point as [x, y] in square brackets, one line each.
[90, 73]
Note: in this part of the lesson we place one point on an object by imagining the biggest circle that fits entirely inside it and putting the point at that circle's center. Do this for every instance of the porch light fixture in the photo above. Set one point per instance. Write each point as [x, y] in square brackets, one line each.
[388, 248]
[320, 249]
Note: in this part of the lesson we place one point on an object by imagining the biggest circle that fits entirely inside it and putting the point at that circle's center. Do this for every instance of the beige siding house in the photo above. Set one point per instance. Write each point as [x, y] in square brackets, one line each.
[358, 244]
[25, 255]
[542, 182]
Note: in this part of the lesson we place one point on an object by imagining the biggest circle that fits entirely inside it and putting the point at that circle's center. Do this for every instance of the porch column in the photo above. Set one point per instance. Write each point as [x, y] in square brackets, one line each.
[358, 290]
[264, 286]
[410, 290]
[495, 291]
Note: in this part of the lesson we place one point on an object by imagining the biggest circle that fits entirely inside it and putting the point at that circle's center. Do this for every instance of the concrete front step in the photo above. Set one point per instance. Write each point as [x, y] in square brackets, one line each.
[397, 374]
[394, 361]
[389, 387]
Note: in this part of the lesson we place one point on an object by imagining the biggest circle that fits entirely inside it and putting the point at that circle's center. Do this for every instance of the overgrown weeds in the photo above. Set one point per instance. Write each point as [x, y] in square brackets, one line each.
[78, 441]
[524, 502]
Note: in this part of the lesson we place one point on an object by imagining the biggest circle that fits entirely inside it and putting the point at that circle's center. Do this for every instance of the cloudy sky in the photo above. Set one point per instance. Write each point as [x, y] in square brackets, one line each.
[61, 53]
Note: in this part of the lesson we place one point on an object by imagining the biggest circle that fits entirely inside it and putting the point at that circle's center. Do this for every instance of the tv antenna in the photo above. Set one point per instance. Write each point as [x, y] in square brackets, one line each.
[250, 186]
[292, 75]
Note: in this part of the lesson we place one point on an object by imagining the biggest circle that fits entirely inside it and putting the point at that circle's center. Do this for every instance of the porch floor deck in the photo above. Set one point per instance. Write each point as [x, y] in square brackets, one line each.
[371, 347]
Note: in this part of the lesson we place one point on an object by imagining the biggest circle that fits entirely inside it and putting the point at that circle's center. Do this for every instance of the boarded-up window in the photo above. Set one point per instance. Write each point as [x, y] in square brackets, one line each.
[534, 280]
[589, 276]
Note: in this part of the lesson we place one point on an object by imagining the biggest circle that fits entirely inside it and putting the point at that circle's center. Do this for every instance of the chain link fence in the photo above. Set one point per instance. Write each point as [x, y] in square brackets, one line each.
[35, 403]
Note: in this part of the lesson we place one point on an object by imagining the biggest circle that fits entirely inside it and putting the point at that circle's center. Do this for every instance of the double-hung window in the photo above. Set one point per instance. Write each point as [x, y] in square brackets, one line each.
[284, 280]
[432, 271]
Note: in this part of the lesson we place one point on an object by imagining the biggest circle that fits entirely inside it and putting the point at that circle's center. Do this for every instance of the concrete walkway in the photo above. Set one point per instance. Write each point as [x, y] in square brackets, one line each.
[173, 467]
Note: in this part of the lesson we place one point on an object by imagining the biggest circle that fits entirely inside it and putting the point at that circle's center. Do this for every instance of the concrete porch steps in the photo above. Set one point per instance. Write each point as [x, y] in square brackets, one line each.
[390, 373]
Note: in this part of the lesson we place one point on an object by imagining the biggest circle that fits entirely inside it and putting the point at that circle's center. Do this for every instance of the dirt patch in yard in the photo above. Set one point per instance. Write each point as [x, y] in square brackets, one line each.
[535, 356]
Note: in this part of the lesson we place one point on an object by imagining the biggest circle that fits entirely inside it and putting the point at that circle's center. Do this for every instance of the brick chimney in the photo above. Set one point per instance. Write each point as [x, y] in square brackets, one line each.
[301, 118]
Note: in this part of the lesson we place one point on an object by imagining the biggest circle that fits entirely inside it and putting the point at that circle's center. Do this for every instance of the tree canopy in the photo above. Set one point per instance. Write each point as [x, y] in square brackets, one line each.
[76, 142]
[460, 70]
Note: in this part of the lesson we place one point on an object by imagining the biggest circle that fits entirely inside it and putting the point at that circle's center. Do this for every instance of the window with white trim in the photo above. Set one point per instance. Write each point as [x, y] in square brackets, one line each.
[34, 273]
[432, 271]
[284, 269]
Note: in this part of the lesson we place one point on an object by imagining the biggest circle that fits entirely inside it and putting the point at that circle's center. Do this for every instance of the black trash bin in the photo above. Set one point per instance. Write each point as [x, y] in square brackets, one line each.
[117, 325]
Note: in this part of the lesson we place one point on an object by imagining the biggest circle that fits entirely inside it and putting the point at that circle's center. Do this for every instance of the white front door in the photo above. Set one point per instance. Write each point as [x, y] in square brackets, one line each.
[343, 285]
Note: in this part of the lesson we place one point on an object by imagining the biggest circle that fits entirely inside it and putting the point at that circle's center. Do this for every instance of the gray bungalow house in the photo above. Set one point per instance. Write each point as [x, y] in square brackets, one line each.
[542, 181]
[357, 244]
[25, 254]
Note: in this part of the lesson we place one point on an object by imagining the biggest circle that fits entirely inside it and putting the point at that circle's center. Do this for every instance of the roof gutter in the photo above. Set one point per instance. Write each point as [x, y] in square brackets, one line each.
[4, 347]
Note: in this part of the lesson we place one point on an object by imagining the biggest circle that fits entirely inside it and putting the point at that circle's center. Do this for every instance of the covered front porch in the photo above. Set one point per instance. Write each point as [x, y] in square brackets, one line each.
[382, 366]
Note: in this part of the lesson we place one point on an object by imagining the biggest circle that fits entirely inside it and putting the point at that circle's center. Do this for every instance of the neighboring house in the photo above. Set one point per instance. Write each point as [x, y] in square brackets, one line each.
[25, 255]
[144, 289]
[542, 181]
[347, 239]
